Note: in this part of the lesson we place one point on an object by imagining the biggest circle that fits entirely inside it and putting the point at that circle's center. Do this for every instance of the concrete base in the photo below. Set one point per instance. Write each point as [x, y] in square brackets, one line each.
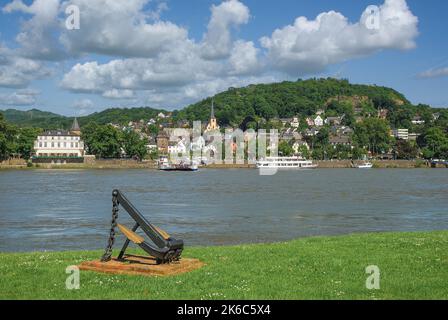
[140, 265]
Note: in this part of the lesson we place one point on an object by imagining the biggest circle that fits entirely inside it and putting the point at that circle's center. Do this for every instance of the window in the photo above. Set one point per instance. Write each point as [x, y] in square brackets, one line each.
[45, 144]
[76, 144]
[40, 144]
[52, 144]
[65, 144]
[71, 145]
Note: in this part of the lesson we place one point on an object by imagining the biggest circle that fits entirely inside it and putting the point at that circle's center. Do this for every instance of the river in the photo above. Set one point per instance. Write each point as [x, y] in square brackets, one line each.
[71, 209]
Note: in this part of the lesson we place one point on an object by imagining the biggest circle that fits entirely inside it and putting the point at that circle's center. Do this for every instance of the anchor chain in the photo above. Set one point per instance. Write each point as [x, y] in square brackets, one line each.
[107, 256]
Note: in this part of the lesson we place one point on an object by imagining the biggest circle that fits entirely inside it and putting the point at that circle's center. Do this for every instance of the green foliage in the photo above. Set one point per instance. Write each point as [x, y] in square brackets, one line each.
[406, 150]
[413, 266]
[47, 120]
[287, 99]
[103, 141]
[373, 134]
[16, 141]
[434, 143]
[133, 145]
[285, 149]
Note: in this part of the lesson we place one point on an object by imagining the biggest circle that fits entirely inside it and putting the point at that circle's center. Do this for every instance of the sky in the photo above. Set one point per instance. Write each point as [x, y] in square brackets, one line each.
[171, 53]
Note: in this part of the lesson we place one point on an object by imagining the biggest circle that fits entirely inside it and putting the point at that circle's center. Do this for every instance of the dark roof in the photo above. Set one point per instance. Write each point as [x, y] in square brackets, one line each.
[75, 125]
[62, 133]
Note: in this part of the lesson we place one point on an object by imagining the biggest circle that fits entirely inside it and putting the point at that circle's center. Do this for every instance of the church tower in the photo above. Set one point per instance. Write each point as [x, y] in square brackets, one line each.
[76, 130]
[213, 123]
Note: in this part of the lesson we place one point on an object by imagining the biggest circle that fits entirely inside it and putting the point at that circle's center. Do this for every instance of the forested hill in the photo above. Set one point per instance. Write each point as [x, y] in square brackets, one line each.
[234, 106]
[286, 99]
[48, 120]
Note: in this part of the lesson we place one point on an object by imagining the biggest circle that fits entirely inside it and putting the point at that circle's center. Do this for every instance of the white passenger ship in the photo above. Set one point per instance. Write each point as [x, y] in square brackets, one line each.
[286, 163]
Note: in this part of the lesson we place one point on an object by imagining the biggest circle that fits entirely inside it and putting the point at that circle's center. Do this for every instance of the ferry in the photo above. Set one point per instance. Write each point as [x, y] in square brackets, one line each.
[289, 163]
[165, 165]
[365, 165]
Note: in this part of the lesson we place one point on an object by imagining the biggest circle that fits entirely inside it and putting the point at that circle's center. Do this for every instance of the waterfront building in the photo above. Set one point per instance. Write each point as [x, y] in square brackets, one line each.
[60, 144]
[163, 140]
[213, 123]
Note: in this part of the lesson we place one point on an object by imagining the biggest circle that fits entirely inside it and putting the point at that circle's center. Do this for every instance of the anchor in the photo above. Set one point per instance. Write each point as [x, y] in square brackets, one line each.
[163, 248]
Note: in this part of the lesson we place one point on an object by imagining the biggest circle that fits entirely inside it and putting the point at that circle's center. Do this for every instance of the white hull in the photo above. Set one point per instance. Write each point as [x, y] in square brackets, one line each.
[365, 166]
[285, 163]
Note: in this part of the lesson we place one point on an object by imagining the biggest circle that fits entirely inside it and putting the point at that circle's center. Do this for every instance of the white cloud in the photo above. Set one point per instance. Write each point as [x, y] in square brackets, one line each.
[20, 98]
[119, 94]
[434, 73]
[121, 28]
[38, 39]
[217, 42]
[18, 72]
[309, 46]
[244, 58]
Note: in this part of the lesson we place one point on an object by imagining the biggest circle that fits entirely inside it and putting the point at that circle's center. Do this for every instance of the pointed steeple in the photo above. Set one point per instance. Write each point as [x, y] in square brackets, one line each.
[75, 127]
[212, 115]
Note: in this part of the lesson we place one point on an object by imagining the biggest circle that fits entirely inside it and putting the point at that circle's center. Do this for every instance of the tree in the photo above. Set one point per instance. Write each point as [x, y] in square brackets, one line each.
[7, 139]
[406, 150]
[103, 141]
[373, 134]
[434, 143]
[25, 141]
[133, 145]
[285, 149]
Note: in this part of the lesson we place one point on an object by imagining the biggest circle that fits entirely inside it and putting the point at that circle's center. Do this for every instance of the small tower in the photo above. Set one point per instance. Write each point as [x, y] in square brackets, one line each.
[76, 130]
[213, 124]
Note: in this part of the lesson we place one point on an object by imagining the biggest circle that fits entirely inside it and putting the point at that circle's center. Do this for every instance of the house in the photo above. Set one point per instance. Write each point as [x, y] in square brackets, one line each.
[335, 121]
[285, 121]
[161, 115]
[436, 116]
[177, 147]
[162, 140]
[311, 132]
[401, 134]
[340, 140]
[309, 122]
[318, 121]
[417, 120]
[383, 113]
[151, 146]
[320, 112]
[295, 123]
[59, 144]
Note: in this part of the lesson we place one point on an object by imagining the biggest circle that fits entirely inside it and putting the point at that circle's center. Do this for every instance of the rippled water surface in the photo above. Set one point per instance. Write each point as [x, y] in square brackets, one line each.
[67, 210]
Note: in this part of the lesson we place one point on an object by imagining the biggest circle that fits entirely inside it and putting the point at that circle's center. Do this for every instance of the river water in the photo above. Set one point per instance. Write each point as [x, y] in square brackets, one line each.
[71, 209]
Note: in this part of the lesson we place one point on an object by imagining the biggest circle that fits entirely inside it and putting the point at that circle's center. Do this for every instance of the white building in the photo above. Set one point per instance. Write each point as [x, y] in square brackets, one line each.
[318, 122]
[295, 123]
[401, 134]
[60, 143]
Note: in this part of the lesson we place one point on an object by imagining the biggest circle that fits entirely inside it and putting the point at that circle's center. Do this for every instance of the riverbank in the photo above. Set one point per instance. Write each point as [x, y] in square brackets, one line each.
[412, 266]
[130, 164]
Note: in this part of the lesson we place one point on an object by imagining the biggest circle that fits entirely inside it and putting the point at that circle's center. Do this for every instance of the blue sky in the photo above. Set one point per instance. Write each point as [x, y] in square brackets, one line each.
[172, 53]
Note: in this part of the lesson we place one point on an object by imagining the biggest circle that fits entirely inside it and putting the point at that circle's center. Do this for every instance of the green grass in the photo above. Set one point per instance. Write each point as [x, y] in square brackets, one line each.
[413, 266]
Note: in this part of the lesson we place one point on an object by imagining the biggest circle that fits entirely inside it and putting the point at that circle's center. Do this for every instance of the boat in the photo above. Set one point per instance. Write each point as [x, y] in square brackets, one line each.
[365, 165]
[286, 163]
[166, 165]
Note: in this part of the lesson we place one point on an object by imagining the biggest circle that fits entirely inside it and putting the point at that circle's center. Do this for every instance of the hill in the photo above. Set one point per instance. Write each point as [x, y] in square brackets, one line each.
[240, 105]
[287, 99]
[47, 120]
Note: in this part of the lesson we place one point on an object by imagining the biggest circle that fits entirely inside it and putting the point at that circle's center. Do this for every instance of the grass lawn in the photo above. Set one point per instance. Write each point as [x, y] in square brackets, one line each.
[413, 266]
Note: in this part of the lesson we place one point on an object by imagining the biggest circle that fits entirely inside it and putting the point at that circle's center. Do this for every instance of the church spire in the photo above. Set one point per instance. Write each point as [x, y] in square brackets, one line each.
[212, 115]
[75, 127]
